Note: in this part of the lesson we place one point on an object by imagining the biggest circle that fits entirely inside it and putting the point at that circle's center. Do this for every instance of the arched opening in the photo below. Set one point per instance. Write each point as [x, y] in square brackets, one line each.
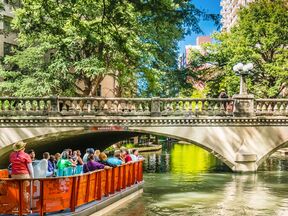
[81, 140]
[274, 160]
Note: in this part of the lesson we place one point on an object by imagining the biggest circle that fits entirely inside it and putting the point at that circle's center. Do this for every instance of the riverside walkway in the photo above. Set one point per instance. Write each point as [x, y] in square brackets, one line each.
[69, 195]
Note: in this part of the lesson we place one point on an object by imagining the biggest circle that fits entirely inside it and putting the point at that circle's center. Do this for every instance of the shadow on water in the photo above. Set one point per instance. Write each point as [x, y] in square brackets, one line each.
[186, 180]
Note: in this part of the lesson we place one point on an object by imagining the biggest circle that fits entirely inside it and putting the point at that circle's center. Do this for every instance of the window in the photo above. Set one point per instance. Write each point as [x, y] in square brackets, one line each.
[9, 48]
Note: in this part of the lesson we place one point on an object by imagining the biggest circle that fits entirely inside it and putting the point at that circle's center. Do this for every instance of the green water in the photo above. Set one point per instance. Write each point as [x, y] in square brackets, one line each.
[187, 180]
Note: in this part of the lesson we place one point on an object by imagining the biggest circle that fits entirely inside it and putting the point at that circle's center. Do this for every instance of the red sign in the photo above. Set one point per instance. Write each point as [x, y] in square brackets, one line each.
[109, 128]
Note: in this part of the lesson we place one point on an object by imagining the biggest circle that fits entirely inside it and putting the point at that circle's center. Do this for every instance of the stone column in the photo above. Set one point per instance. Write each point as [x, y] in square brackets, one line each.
[54, 106]
[155, 107]
[245, 160]
[243, 105]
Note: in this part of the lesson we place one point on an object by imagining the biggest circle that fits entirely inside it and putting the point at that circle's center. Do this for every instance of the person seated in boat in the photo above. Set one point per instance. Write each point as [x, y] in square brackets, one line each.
[125, 156]
[50, 167]
[103, 160]
[88, 152]
[52, 163]
[32, 154]
[79, 159]
[93, 165]
[135, 155]
[116, 160]
[96, 155]
[64, 161]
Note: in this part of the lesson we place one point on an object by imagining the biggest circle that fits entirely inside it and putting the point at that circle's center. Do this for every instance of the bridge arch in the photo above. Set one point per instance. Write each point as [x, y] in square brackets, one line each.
[242, 148]
[48, 142]
[213, 151]
[265, 157]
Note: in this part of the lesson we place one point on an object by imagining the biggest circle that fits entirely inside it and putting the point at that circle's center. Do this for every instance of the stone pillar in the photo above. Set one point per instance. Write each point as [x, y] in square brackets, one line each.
[155, 107]
[245, 162]
[243, 105]
[55, 110]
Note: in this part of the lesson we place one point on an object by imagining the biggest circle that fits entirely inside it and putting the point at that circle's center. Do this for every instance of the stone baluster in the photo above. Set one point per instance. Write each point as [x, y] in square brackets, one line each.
[216, 108]
[275, 108]
[196, 107]
[264, 107]
[258, 107]
[270, 109]
[140, 108]
[282, 108]
[203, 106]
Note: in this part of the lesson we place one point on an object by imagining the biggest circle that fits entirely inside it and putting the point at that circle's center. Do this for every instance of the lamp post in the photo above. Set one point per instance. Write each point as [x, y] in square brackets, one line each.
[242, 71]
[243, 102]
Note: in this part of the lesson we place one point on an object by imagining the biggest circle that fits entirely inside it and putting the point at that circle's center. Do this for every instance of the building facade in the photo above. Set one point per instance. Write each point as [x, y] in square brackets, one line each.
[229, 12]
[184, 58]
[8, 39]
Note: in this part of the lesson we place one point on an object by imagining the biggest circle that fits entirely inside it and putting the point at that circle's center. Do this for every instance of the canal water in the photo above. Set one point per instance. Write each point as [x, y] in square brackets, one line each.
[184, 180]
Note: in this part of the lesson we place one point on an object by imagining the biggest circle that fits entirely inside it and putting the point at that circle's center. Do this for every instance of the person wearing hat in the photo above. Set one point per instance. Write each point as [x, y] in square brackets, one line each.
[21, 162]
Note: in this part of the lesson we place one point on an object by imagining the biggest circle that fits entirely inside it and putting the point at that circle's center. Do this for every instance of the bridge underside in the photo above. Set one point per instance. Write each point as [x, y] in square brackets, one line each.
[243, 144]
[77, 139]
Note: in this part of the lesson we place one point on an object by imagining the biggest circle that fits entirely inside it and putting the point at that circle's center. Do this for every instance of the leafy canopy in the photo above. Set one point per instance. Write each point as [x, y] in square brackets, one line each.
[67, 47]
[260, 37]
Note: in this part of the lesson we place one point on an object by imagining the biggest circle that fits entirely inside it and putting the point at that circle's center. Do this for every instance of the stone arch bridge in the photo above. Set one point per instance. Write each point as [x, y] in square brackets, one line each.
[242, 132]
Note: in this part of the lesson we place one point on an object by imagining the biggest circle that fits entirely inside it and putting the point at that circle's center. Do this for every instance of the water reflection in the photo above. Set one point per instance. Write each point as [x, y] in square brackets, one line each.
[173, 189]
[182, 158]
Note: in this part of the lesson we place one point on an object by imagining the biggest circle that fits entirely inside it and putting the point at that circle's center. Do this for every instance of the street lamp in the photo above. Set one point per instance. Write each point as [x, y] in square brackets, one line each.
[242, 71]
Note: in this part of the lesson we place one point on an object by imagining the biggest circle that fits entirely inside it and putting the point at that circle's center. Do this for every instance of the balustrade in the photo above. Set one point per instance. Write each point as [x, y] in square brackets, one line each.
[276, 107]
[91, 106]
[24, 106]
[47, 195]
[196, 106]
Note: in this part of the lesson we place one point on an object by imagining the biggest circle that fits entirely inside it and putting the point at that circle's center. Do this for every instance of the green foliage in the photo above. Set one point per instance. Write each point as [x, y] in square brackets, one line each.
[67, 47]
[260, 37]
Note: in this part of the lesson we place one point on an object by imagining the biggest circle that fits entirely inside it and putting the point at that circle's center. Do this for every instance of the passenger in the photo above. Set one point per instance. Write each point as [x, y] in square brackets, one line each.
[88, 151]
[64, 162]
[135, 155]
[32, 155]
[92, 165]
[70, 153]
[52, 163]
[96, 155]
[21, 162]
[79, 159]
[57, 156]
[74, 157]
[41, 168]
[50, 168]
[125, 156]
[116, 160]
[103, 160]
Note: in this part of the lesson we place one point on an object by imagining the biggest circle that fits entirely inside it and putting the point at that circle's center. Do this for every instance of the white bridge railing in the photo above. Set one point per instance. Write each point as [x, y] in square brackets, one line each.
[77, 106]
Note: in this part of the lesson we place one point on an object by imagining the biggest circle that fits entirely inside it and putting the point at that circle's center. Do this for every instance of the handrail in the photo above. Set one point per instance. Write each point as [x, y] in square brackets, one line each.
[48, 195]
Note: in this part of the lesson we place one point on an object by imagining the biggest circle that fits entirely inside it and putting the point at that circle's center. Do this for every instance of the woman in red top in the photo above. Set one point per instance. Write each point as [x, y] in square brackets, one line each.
[21, 162]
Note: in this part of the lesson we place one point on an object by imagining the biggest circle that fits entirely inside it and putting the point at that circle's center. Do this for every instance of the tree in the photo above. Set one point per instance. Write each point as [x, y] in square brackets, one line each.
[68, 47]
[260, 37]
